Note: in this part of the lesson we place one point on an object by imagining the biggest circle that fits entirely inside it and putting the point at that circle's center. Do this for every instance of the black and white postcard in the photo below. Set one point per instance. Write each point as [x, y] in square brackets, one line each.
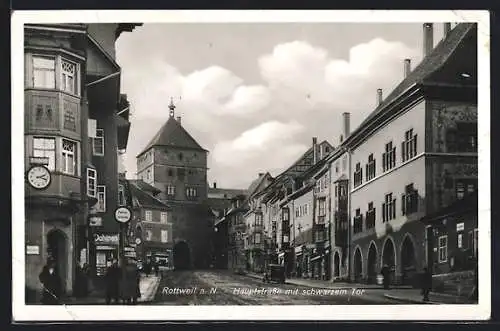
[262, 165]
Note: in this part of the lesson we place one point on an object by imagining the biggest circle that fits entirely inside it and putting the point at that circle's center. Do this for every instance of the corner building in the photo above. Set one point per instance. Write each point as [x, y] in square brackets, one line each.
[415, 154]
[62, 62]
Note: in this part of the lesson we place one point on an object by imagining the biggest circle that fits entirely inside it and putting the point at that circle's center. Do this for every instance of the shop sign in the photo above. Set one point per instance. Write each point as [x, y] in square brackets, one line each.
[460, 227]
[123, 214]
[33, 250]
[112, 239]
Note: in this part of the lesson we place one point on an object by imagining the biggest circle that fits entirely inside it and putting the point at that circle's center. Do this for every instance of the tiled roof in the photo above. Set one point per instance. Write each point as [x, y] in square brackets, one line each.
[144, 186]
[429, 64]
[229, 193]
[144, 198]
[172, 134]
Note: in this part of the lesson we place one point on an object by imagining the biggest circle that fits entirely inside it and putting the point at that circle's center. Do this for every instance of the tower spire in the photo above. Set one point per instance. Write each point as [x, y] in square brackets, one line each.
[171, 106]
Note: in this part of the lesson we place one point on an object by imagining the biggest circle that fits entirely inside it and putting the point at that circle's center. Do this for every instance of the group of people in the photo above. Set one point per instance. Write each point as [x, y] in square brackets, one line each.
[121, 283]
[425, 280]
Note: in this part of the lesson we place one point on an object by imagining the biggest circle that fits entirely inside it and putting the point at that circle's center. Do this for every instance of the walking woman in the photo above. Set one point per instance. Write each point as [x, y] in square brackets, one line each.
[51, 282]
[130, 291]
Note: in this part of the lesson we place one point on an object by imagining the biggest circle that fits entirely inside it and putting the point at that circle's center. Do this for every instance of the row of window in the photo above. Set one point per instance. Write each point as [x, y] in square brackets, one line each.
[302, 210]
[408, 151]
[148, 216]
[472, 244]
[54, 72]
[163, 235]
[409, 204]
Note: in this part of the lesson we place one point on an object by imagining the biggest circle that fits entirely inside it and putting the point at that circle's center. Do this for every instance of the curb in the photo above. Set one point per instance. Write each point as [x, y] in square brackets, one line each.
[150, 295]
[408, 300]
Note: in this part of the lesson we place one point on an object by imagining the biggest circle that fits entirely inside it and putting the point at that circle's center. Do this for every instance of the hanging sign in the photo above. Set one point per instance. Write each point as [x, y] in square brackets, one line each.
[123, 214]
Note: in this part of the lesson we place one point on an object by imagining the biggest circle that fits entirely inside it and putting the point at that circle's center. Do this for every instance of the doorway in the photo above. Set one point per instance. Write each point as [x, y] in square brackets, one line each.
[182, 256]
[57, 250]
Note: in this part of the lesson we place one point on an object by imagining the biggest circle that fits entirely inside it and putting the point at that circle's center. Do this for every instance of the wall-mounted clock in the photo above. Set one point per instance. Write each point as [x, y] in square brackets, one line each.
[39, 177]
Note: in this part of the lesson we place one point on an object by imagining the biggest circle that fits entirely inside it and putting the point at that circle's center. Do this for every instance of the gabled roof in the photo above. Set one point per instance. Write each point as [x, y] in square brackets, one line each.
[254, 186]
[144, 199]
[429, 64]
[172, 134]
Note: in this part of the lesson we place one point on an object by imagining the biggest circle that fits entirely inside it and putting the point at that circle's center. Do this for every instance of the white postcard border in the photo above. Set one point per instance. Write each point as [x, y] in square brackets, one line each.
[23, 312]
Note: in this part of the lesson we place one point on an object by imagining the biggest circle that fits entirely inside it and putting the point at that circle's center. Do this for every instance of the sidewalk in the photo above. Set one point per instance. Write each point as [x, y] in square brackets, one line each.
[315, 283]
[148, 286]
[401, 294]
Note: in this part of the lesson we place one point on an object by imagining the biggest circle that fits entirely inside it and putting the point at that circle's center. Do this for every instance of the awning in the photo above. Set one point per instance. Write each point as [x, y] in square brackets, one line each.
[104, 92]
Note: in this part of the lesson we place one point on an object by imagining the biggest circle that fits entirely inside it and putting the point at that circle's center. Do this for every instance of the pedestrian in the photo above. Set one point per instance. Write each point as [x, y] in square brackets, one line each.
[386, 275]
[157, 268]
[51, 282]
[112, 278]
[130, 283]
[426, 284]
[86, 279]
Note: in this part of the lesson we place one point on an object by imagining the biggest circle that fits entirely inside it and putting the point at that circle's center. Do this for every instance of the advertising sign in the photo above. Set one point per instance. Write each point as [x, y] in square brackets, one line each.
[106, 238]
[123, 214]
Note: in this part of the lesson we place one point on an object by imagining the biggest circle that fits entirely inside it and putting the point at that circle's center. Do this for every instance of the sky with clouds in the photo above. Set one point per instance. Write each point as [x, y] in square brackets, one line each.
[254, 95]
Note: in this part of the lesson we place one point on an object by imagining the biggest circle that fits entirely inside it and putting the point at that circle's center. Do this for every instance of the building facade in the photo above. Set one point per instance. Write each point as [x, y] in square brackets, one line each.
[176, 164]
[412, 156]
[150, 232]
[70, 79]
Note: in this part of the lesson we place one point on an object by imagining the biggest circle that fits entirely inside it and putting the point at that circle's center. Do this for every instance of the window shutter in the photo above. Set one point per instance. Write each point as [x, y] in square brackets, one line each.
[367, 172]
[383, 161]
[384, 214]
[394, 208]
[415, 200]
[415, 145]
[403, 204]
[92, 128]
[393, 158]
[403, 150]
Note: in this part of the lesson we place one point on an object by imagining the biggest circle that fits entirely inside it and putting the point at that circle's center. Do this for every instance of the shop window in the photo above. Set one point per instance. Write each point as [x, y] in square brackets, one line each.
[443, 249]
[91, 182]
[98, 142]
[44, 72]
[69, 157]
[46, 148]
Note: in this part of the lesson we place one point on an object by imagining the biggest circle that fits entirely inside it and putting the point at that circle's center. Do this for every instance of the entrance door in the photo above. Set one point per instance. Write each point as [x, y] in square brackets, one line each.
[57, 250]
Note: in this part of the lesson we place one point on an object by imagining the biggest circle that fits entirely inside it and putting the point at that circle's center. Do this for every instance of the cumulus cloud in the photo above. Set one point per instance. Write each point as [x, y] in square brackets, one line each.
[250, 128]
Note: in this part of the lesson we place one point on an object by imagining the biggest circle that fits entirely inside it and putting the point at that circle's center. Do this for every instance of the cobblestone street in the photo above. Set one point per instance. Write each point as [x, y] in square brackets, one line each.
[225, 288]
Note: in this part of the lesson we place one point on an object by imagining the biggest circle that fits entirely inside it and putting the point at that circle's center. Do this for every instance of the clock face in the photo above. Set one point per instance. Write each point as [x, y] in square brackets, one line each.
[39, 177]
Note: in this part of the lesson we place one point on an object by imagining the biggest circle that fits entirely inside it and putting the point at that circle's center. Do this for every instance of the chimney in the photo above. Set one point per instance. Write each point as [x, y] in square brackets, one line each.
[346, 129]
[179, 119]
[379, 96]
[261, 174]
[215, 184]
[315, 150]
[407, 67]
[447, 29]
[428, 38]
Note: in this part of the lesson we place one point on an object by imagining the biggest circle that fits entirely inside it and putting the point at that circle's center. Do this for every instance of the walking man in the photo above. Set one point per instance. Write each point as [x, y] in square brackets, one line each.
[426, 284]
[51, 283]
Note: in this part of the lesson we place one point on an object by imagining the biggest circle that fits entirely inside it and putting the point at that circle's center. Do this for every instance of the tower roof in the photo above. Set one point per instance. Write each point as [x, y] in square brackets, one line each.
[172, 134]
